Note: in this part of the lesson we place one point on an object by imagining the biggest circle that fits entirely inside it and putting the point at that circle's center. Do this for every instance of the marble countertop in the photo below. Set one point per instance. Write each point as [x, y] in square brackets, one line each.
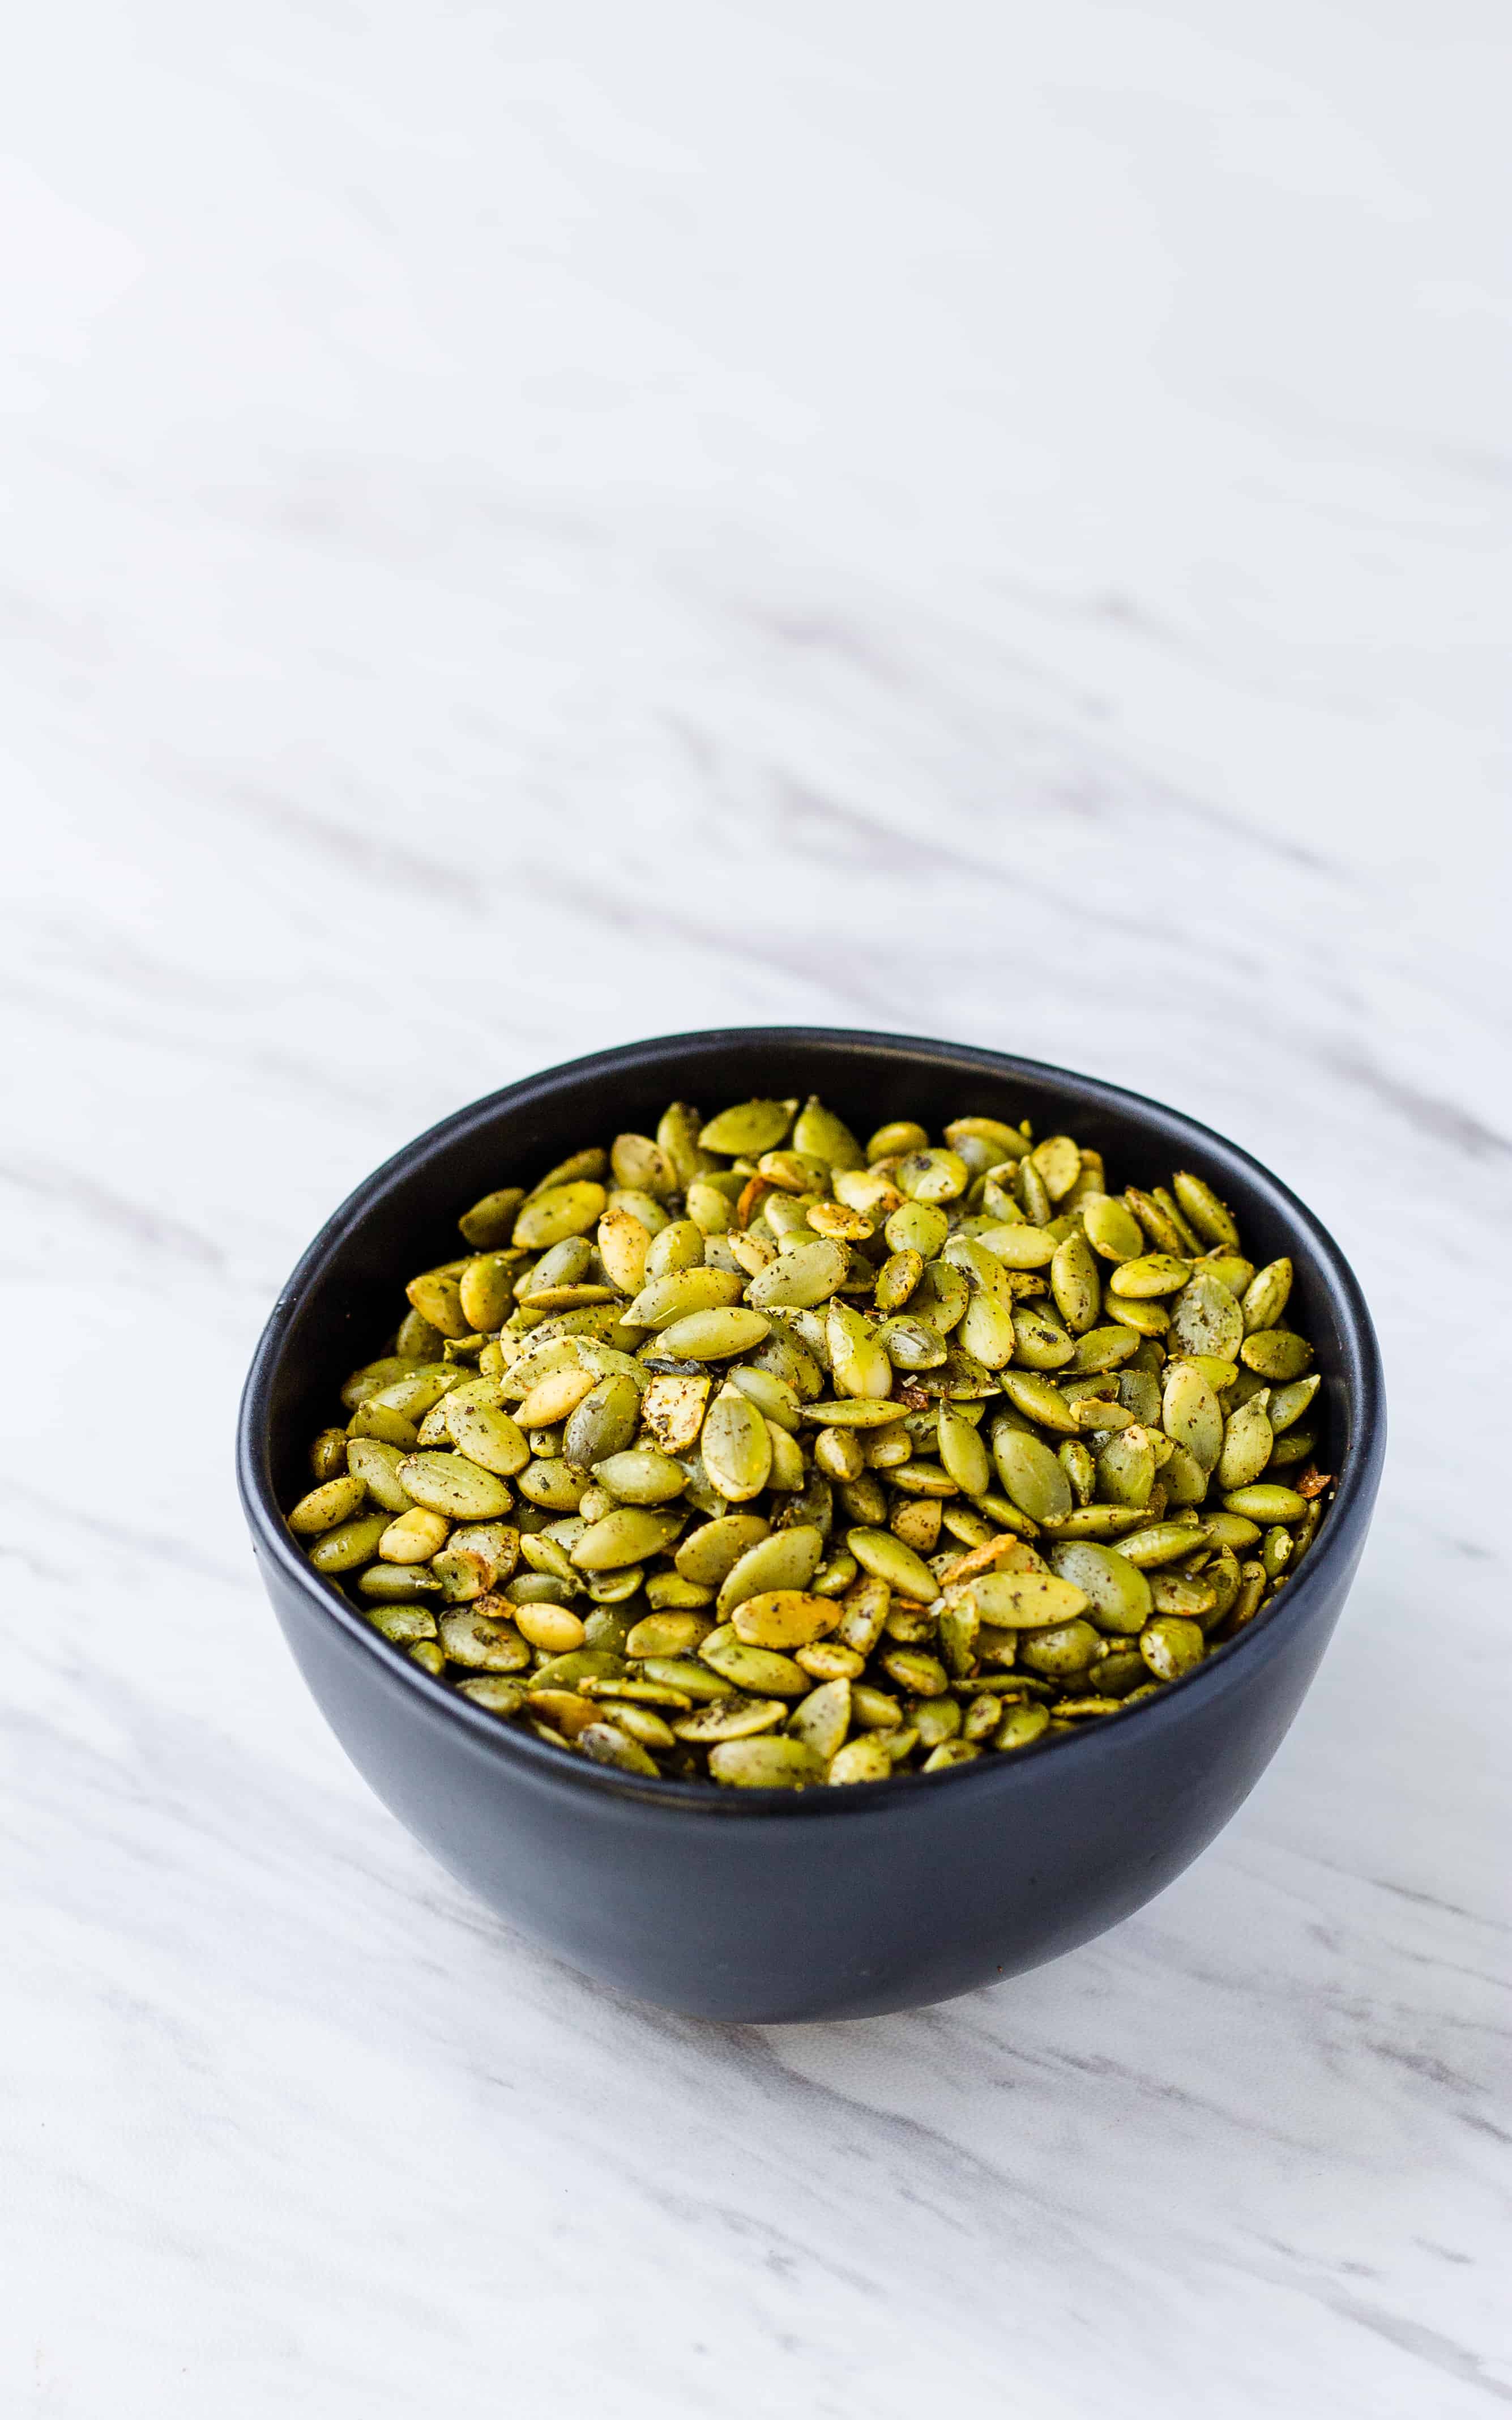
[533, 527]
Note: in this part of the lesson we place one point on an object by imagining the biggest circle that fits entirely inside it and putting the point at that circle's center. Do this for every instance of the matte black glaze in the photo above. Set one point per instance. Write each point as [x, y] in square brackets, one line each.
[773, 1906]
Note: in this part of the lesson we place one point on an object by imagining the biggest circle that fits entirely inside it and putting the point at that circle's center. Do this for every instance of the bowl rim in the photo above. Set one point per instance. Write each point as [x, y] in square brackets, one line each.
[1219, 1673]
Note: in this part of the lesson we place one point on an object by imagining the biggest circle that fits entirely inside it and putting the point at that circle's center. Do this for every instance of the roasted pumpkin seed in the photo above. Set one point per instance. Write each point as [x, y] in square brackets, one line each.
[785, 1417]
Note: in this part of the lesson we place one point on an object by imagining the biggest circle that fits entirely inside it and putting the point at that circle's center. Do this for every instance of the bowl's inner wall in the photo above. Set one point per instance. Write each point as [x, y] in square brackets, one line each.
[350, 1292]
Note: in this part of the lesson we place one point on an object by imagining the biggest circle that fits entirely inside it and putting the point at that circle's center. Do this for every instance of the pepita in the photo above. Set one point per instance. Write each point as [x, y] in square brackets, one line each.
[833, 1462]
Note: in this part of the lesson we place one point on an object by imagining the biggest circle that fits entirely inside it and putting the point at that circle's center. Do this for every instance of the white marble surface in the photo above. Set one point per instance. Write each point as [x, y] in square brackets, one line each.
[529, 526]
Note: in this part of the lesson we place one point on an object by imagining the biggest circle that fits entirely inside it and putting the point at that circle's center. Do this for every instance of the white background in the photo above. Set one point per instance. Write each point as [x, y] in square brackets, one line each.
[532, 525]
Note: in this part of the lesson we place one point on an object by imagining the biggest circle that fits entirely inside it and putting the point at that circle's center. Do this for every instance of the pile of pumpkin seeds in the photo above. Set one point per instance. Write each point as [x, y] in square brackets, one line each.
[746, 1452]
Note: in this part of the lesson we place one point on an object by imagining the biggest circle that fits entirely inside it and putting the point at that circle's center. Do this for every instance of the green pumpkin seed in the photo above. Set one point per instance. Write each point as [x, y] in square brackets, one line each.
[328, 1455]
[583, 1663]
[667, 1634]
[765, 1763]
[988, 1332]
[607, 1744]
[1191, 1414]
[836, 1574]
[1039, 1398]
[1212, 1219]
[736, 1447]
[1287, 1404]
[1151, 1274]
[1205, 1318]
[874, 1710]
[857, 1355]
[917, 1227]
[1266, 1502]
[1248, 1439]
[1026, 1600]
[1105, 1348]
[731, 1717]
[491, 1221]
[324, 1507]
[1117, 1590]
[1032, 1478]
[1298, 1445]
[785, 1560]
[591, 1162]
[948, 1754]
[1275, 1352]
[823, 1719]
[709, 1555]
[1039, 1343]
[678, 1245]
[559, 1211]
[714, 1335]
[1171, 1646]
[623, 1244]
[1126, 1468]
[1058, 1162]
[1146, 1318]
[403, 1584]
[809, 1272]
[759, 1670]
[552, 1399]
[1021, 1726]
[783, 1617]
[1075, 1284]
[851, 1412]
[772, 1395]
[485, 1290]
[1099, 1522]
[1111, 1228]
[678, 1134]
[680, 1294]
[861, 1759]
[496, 1696]
[1266, 1297]
[1159, 1541]
[414, 1394]
[1179, 1592]
[553, 1486]
[819, 1134]
[933, 1176]
[484, 1435]
[896, 1280]
[1184, 1478]
[639, 1723]
[1167, 1233]
[749, 1128]
[1064, 1652]
[640, 1165]
[640, 1475]
[1019, 1247]
[693, 1681]
[922, 1675]
[482, 1643]
[886, 1557]
[626, 1535]
[963, 1453]
[437, 1296]
[1230, 1269]
[414, 1537]
[452, 1485]
[912, 1343]
[838, 1452]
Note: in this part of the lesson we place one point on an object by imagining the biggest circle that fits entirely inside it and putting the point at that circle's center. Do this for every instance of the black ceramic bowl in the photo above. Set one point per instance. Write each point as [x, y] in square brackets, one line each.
[772, 1905]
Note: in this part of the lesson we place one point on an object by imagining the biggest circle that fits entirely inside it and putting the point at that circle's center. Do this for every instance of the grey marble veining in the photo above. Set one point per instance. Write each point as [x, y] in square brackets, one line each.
[531, 528]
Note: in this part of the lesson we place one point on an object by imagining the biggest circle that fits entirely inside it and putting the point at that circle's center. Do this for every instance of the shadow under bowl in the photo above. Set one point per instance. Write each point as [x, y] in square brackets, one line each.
[771, 1906]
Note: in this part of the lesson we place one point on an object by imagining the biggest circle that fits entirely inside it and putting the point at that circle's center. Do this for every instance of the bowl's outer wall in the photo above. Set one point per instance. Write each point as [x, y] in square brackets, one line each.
[730, 1905]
